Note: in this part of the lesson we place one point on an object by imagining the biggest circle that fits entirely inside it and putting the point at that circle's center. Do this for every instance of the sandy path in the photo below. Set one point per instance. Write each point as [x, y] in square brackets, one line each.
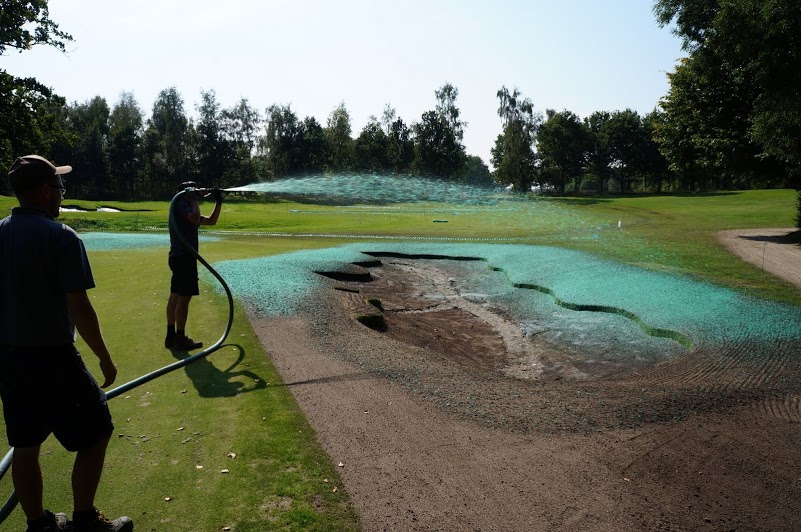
[777, 251]
[409, 466]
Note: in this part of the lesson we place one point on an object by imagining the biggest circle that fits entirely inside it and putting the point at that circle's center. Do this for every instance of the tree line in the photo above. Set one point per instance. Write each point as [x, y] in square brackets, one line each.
[119, 153]
[731, 120]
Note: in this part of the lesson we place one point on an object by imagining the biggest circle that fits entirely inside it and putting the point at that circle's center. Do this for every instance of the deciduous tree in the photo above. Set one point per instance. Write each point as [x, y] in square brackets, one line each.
[513, 154]
[627, 142]
[371, 148]
[563, 142]
[447, 109]
[124, 143]
[32, 121]
[240, 125]
[167, 143]
[89, 122]
[437, 151]
[736, 100]
[400, 146]
[215, 152]
[477, 172]
[27, 24]
[339, 141]
[313, 145]
[281, 140]
[599, 156]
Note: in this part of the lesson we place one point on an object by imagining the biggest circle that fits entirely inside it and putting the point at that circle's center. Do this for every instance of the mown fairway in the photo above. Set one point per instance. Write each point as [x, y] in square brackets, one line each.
[175, 436]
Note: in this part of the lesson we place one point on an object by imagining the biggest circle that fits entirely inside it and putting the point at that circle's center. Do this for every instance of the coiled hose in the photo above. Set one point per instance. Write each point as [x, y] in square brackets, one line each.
[5, 463]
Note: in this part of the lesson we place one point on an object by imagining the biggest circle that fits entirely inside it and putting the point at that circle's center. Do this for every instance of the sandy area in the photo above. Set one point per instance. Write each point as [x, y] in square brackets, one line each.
[777, 251]
[448, 418]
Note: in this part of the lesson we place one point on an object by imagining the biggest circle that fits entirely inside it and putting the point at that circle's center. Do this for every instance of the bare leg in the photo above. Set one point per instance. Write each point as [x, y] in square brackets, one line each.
[86, 474]
[181, 311]
[171, 304]
[27, 477]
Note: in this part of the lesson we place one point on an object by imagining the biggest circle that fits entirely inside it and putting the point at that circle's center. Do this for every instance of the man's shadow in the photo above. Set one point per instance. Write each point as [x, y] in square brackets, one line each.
[212, 382]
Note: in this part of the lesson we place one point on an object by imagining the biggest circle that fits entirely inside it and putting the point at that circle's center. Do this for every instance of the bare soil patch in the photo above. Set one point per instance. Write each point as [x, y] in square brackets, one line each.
[450, 418]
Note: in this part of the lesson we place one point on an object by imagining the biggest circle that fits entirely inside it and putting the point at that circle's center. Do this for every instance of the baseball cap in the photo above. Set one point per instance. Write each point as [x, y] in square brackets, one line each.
[193, 184]
[187, 184]
[31, 170]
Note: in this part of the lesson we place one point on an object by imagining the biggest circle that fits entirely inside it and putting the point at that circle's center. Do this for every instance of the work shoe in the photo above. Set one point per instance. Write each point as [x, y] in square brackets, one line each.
[184, 343]
[169, 340]
[49, 522]
[95, 521]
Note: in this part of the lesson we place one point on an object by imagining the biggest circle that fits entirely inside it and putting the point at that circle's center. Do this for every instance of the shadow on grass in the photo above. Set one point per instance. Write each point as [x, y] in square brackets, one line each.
[594, 200]
[212, 382]
[790, 238]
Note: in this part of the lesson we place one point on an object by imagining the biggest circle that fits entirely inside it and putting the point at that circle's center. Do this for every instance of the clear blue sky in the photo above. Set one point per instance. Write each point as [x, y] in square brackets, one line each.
[579, 55]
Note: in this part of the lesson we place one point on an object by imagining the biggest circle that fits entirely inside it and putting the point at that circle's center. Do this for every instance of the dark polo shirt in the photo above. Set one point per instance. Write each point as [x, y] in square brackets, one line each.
[40, 261]
[187, 229]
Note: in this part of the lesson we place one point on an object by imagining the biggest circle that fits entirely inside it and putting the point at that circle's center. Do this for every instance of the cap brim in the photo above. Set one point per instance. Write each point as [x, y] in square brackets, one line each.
[63, 170]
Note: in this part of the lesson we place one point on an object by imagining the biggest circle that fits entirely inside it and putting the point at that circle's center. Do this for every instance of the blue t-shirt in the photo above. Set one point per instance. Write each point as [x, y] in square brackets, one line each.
[41, 260]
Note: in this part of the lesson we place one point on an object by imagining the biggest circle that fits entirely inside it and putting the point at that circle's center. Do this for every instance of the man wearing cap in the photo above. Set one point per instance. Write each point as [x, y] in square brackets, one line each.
[44, 385]
[183, 263]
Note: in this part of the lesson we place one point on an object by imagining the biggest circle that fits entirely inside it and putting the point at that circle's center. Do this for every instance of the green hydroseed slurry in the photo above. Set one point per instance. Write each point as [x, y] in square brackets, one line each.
[567, 295]
[111, 241]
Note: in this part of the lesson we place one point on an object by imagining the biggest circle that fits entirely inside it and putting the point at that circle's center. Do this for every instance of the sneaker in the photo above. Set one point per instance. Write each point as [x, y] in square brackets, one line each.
[101, 523]
[50, 522]
[169, 341]
[184, 343]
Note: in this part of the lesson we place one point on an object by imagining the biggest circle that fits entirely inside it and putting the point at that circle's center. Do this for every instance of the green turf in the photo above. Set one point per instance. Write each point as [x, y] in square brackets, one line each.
[231, 402]
[677, 233]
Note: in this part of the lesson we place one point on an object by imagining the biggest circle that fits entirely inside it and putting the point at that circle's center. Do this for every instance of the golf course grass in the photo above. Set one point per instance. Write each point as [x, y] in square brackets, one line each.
[176, 435]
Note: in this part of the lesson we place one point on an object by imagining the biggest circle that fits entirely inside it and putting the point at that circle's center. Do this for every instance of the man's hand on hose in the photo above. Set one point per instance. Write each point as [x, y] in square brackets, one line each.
[109, 372]
[217, 195]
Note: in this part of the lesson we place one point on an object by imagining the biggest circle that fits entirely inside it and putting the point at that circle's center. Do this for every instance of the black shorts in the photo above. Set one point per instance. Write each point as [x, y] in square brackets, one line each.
[184, 276]
[49, 390]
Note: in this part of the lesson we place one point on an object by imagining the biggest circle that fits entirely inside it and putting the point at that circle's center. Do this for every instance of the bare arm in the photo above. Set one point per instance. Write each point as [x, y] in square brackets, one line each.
[212, 219]
[196, 218]
[84, 317]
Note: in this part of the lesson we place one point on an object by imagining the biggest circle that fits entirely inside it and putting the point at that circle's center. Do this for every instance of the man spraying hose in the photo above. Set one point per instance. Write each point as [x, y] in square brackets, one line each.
[183, 264]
